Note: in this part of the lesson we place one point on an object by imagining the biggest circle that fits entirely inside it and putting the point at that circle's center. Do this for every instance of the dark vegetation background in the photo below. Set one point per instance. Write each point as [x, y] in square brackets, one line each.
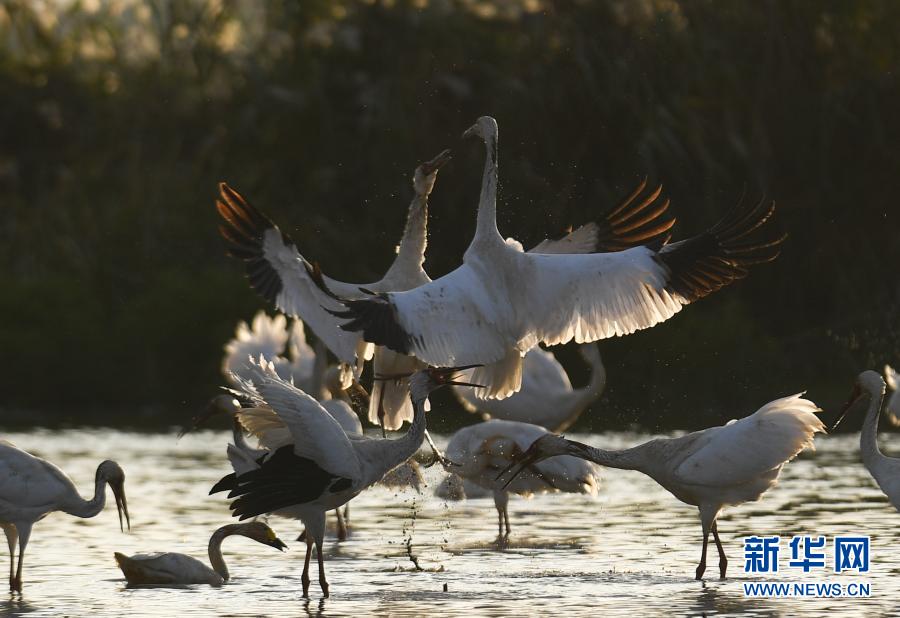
[118, 118]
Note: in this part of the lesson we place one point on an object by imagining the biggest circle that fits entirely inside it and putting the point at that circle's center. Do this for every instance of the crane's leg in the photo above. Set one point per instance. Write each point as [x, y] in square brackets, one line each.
[347, 513]
[702, 566]
[12, 537]
[321, 557]
[305, 577]
[501, 501]
[24, 531]
[723, 561]
[341, 525]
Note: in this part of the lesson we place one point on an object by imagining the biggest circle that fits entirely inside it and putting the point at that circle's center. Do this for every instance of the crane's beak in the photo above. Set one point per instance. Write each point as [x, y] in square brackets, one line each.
[519, 463]
[447, 375]
[197, 421]
[436, 163]
[277, 544]
[118, 488]
[470, 132]
[854, 397]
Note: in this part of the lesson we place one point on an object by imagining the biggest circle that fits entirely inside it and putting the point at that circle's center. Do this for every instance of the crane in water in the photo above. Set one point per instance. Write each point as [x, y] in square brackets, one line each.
[710, 469]
[180, 569]
[312, 465]
[31, 488]
[868, 391]
[481, 451]
[501, 302]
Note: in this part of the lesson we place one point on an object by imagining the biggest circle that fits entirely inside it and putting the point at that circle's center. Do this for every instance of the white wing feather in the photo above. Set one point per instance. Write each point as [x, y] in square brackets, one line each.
[317, 435]
[743, 450]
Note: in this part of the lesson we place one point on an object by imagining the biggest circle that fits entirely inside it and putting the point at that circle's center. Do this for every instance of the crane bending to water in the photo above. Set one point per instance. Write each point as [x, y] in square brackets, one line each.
[312, 466]
[709, 469]
[483, 450]
[501, 302]
[279, 272]
[180, 569]
[31, 488]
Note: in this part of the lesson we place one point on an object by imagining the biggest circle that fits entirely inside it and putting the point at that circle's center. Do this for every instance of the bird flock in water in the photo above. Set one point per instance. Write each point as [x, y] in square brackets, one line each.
[479, 330]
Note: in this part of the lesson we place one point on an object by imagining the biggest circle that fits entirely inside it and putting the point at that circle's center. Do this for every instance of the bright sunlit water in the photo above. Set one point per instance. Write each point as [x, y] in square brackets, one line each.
[632, 550]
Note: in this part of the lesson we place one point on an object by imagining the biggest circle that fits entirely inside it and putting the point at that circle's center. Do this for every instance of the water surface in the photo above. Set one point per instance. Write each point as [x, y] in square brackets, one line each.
[632, 550]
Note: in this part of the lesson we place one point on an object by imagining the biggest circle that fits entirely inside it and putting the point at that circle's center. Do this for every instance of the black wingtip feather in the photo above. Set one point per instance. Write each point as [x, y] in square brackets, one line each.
[705, 263]
[244, 228]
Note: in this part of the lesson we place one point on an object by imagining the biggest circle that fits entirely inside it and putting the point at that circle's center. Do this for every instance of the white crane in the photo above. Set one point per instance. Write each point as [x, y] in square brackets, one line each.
[868, 390]
[31, 488]
[172, 568]
[279, 272]
[287, 349]
[709, 469]
[312, 465]
[502, 302]
[546, 397]
[483, 450]
[242, 456]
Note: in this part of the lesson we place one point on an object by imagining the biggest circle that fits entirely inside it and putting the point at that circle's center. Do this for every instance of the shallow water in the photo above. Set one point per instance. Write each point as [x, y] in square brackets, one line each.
[633, 549]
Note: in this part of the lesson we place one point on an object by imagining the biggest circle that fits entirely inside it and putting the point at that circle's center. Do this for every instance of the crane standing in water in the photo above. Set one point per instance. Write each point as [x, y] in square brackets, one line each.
[312, 465]
[709, 469]
[31, 488]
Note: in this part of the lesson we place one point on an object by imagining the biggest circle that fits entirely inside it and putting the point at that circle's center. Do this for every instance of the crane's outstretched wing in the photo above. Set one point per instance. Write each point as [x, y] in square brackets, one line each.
[633, 222]
[478, 316]
[266, 337]
[278, 272]
[744, 449]
[316, 434]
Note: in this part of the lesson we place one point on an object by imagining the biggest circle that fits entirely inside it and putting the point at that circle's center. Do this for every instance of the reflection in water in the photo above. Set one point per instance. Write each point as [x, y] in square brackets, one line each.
[633, 549]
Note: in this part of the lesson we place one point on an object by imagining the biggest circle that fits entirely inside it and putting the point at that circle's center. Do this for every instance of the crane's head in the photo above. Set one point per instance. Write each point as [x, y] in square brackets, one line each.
[226, 403]
[110, 472]
[423, 382]
[485, 128]
[261, 533]
[546, 446]
[868, 384]
[426, 174]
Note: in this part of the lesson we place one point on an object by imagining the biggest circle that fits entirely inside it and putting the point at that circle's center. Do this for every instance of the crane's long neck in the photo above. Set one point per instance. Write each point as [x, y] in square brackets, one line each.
[868, 437]
[486, 224]
[89, 508]
[398, 451]
[624, 459]
[411, 251]
[216, 561]
[585, 396]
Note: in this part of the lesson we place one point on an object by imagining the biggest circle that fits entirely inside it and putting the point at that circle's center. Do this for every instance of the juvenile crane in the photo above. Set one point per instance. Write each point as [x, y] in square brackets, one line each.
[180, 569]
[502, 302]
[868, 391]
[312, 466]
[31, 488]
[709, 469]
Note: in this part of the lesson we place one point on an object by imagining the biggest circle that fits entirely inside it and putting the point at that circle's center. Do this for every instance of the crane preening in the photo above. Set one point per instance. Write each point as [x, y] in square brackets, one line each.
[709, 469]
